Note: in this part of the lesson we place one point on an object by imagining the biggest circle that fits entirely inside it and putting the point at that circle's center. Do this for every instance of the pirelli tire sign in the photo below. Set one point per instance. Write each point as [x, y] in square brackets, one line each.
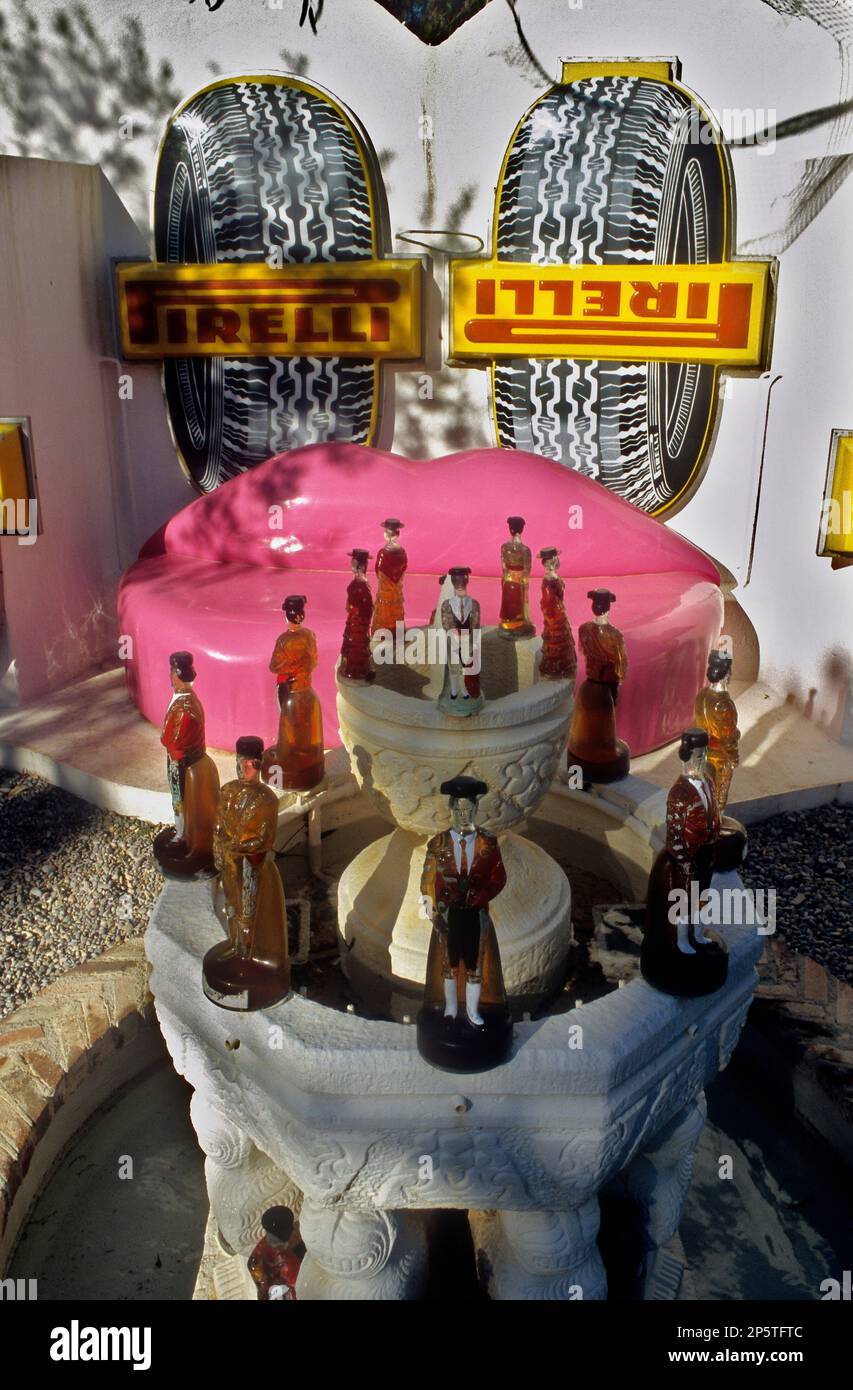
[271, 301]
[612, 300]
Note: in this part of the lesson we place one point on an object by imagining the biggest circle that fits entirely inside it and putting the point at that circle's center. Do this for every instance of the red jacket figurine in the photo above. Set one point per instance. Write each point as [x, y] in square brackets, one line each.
[356, 663]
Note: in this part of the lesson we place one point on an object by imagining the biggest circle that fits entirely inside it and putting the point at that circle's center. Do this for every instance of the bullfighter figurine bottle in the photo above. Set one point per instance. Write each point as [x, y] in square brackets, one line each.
[298, 755]
[390, 567]
[677, 955]
[464, 1024]
[186, 851]
[593, 745]
[250, 970]
[356, 664]
[275, 1262]
[460, 619]
[559, 660]
[515, 578]
[716, 713]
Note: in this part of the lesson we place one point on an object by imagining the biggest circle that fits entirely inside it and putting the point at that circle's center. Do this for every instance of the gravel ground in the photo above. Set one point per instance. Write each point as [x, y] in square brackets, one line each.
[74, 881]
[807, 857]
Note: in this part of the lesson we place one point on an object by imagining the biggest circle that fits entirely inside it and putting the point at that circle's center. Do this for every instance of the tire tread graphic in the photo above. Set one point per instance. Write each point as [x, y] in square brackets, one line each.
[251, 169]
[600, 172]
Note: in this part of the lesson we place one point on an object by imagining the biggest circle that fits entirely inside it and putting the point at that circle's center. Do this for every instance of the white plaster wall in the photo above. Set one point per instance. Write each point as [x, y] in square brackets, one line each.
[740, 54]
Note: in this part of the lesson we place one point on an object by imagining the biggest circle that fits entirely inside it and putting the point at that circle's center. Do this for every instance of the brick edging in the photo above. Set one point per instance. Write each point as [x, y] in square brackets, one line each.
[58, 1063]
[786, 975]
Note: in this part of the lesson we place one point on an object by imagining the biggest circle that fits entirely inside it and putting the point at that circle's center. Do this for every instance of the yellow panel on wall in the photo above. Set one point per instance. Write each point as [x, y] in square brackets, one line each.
[14, 480]
[836, 531]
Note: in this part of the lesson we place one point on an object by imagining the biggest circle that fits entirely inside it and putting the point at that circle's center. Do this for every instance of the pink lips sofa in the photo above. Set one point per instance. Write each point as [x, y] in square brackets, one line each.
[213, 579]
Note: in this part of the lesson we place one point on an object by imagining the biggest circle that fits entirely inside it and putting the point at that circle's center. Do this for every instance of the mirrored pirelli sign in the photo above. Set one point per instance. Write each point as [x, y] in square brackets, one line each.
[359, 309]
[613, 299]
[652, 313]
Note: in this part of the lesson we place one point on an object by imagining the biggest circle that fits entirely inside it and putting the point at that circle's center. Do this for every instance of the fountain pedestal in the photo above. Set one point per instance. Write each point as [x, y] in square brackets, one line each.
[401, 748]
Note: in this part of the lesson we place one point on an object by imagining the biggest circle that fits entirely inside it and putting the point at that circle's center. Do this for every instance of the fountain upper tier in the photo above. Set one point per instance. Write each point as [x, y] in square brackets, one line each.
[402, 746]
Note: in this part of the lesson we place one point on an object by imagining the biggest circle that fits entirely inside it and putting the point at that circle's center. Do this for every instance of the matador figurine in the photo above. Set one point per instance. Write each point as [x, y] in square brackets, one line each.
[391, 563]
[297, 760]
[186, 851]
[559, 660]
[356, 663]
[464, 1024]
[250, 969]
[716, 713]
[677, 955]
[276, 1259]
[516, 563]
[593, 745]
[460, 619]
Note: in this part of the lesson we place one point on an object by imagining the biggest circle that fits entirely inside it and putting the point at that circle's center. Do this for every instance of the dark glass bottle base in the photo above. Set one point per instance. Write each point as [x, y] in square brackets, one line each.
[611, 771]
[454, 1044]
[292, 779]
[366, 679]
[730, 847]
[685, 977]
[241, 984]
[174, 861]
[517, 634]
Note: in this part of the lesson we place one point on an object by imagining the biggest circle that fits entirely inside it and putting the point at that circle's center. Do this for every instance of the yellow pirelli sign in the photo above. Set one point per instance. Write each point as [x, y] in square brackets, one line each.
[641, 313]
[346, 309]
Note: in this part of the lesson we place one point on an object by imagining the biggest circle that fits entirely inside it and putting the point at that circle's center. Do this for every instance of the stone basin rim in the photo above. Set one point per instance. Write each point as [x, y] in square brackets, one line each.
[525, 706]
[618, 1024]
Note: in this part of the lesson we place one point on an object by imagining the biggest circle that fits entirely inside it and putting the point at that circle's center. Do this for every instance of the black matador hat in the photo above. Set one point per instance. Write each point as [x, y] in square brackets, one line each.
[278, 1222]
[690, 739]
[182, 662]
[250, 747]
[464, 788]
[601, 600]
[361, 557]
[719, 665]
[459, 571]
[548, 553]
[392, 524]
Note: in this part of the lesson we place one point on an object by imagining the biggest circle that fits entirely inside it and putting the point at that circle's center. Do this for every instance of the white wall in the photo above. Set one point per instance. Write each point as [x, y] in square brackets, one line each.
[741, 54]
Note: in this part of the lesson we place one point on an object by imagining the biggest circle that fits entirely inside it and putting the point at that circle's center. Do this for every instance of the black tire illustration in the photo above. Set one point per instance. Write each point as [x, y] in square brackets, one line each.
[613, 171]
[248, 168]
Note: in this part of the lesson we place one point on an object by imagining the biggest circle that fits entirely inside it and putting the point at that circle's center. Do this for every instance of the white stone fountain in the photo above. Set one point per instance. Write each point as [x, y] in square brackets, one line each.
[337, 1114]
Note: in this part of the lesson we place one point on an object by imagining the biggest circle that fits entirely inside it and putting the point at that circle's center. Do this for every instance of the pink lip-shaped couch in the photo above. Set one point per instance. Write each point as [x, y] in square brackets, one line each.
[213, 579]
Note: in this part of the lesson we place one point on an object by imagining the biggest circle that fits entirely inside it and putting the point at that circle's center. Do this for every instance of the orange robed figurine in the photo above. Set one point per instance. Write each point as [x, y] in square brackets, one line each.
[390, 567]
[559, 659]
[186, 851]
[716, 713]
[250, 969]
[677, 956]
[298, 754]
[356, 663]
[515, 577]
[463, 871]
[593, 745]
